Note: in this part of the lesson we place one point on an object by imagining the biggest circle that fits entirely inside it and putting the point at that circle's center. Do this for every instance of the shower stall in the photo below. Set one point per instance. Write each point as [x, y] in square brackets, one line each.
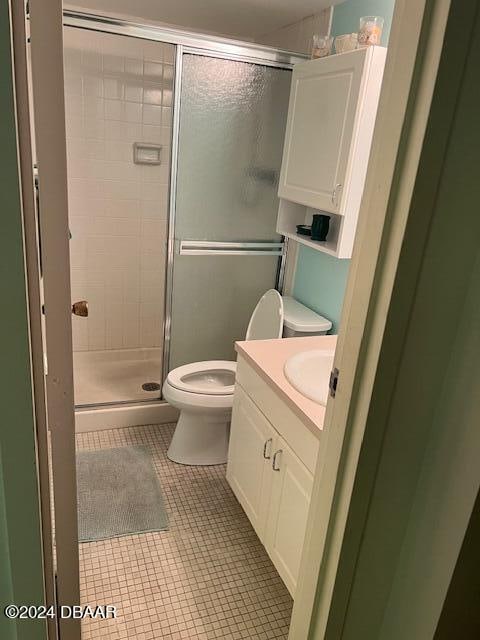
[174, 146]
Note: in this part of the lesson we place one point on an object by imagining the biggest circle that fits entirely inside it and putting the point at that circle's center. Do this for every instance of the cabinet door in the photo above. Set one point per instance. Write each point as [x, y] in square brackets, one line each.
[252, 439]
[323, 103]
[288, 512]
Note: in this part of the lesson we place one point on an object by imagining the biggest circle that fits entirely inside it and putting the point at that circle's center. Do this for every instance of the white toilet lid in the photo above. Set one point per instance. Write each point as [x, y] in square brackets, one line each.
[266, 322]
[211, 377]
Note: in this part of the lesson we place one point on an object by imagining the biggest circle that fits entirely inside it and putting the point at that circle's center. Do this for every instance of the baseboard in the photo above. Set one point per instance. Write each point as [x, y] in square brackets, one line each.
[121, 416]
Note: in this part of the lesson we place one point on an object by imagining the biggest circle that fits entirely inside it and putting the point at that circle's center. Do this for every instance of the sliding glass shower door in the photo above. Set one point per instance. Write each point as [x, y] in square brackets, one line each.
[231, 126]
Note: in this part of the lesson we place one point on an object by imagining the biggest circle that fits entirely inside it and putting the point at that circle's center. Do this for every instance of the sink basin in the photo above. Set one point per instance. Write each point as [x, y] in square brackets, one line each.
[309, 373]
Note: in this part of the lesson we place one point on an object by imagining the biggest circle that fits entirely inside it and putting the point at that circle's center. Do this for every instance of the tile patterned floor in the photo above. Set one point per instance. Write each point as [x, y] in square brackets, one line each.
[206, 578]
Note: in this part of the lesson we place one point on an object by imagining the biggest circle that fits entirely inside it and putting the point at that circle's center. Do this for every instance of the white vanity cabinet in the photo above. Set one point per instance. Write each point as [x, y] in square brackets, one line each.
[291, 488]
[252, 439]
[331, 117]
[271, 461]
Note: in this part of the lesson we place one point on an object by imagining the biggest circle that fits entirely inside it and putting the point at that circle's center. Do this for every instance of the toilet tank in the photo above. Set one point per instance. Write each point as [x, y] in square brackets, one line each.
[300, 321]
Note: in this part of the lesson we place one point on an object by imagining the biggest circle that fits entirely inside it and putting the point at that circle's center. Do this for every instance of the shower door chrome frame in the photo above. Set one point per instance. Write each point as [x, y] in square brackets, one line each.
[167, 318]
[177, 89]
[186, 42]
[191, 41]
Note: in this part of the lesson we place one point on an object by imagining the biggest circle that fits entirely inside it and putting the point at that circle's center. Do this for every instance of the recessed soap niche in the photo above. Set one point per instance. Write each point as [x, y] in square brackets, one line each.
[290, 214]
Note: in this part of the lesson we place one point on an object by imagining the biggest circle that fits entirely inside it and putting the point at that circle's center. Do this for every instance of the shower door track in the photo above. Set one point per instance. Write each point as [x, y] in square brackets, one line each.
[195, 44]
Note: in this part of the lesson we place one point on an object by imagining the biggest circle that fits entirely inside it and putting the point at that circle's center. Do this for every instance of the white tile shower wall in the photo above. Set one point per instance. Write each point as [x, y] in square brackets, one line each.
[118, 91]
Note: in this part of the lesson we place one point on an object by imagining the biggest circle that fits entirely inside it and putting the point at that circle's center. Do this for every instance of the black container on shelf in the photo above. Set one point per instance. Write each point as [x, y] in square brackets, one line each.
[320, 226]
[304, 229]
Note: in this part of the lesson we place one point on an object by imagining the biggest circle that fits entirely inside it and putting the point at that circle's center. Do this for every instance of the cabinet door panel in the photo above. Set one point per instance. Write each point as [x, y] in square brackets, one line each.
[323, 104]
[248, 470]
[287, 520]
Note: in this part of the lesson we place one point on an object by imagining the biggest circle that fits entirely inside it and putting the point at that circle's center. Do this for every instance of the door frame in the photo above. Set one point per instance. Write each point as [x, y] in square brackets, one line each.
[415, 46]
[41, 133]
[23, 544]
[417, 476]
[406, 97]
[19, 37]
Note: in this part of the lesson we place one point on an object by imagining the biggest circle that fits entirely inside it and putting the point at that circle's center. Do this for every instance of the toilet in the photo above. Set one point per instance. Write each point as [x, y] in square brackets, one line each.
[203, 391]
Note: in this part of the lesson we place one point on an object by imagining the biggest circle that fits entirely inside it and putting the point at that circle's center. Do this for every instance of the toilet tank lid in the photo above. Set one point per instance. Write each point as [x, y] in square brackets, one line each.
[300, 318]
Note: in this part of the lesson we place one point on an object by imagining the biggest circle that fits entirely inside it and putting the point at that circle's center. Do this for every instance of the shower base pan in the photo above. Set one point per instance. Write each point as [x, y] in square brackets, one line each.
[111, 389]
[124, 415]
[115, 375]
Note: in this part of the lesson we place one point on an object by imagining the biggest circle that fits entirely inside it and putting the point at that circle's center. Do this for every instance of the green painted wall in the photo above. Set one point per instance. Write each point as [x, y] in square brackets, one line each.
[21, 573]
[320, 283]
[346, 16]
[320, 280]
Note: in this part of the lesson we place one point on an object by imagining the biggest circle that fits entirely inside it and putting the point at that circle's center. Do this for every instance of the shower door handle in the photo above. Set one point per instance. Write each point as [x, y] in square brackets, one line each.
[80, 308]
[212, 248]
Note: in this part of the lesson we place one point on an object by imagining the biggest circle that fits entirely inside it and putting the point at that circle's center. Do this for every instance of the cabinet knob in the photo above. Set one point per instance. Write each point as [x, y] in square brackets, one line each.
[277, 453]
[335, 193]
[267, 457]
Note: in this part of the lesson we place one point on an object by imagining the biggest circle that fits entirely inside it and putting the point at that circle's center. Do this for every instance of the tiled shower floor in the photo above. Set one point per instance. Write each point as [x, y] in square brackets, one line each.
[208, 577]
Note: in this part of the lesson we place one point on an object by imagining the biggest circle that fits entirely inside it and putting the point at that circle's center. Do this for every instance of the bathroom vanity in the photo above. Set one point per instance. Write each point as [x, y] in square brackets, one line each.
[275, 443]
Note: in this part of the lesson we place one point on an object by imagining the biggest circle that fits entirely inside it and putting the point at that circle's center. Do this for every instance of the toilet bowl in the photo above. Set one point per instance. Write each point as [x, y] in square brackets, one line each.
[203, 391]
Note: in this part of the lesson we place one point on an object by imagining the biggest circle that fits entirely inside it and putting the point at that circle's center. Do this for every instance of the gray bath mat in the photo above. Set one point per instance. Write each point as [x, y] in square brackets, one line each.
[118, 494]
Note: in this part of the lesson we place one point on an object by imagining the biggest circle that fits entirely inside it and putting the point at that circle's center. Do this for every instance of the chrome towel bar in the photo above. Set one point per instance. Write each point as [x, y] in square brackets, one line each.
[206, 247]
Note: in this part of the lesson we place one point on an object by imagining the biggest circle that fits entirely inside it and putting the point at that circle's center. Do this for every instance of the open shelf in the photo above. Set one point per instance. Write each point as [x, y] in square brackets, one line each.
[291, 214]
[326, 246]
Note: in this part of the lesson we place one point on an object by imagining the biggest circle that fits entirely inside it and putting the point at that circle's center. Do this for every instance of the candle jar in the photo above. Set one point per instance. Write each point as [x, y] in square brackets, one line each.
[321, 46]
[370, 32]
[346, 42]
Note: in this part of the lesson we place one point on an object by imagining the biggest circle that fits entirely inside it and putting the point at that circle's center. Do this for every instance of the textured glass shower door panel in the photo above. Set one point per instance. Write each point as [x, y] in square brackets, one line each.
[219, 293]
[231, 131]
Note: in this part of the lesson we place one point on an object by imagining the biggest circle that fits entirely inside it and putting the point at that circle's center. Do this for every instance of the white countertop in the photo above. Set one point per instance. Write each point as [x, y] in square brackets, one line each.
[268, 357]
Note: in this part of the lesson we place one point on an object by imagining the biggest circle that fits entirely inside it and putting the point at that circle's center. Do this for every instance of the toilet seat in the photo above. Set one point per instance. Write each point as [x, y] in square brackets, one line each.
[211, 377]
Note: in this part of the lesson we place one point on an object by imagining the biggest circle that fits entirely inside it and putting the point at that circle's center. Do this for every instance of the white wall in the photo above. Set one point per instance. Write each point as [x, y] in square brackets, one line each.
[298, 36]
[118, 91]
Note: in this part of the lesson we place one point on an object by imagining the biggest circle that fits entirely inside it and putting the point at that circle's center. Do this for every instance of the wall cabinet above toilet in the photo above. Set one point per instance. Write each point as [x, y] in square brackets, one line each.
[331, 117]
